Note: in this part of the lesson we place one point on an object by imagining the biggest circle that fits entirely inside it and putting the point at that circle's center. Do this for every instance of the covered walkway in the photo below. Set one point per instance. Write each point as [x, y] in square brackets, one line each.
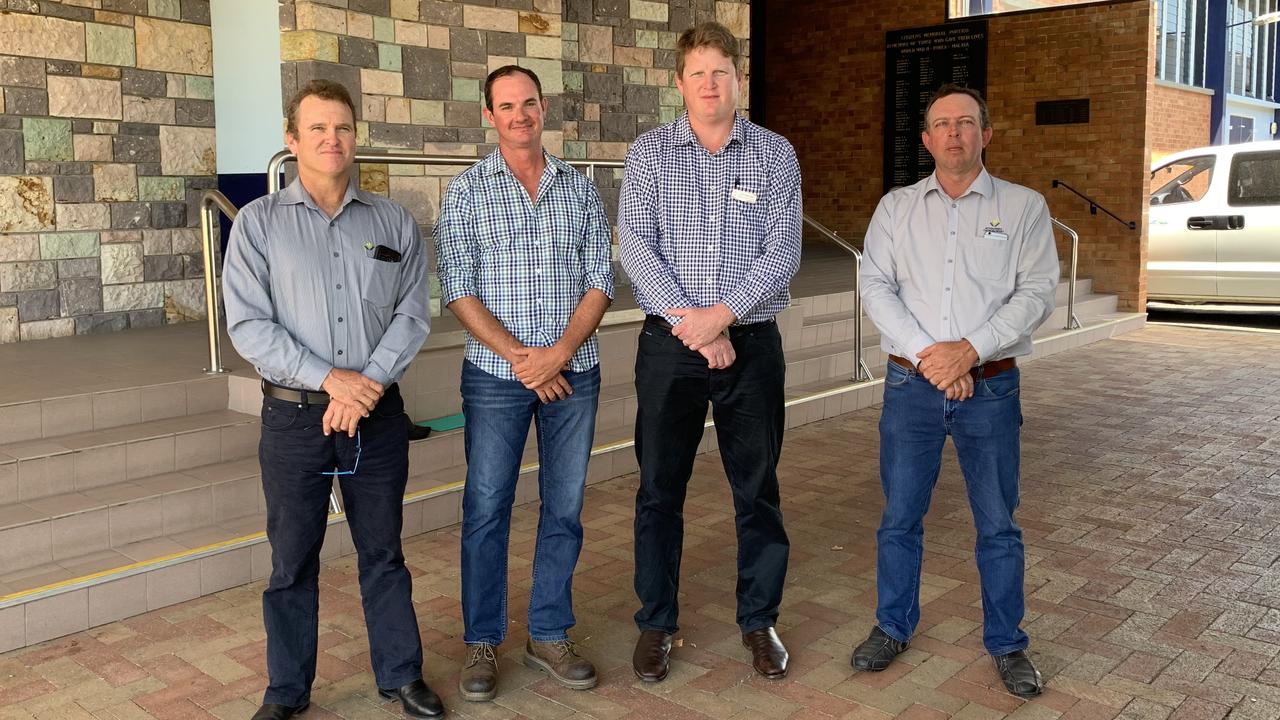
[1151, 504]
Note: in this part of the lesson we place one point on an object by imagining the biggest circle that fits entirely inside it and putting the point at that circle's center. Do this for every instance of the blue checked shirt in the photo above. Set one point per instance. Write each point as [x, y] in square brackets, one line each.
[528, 263]
[689, 233]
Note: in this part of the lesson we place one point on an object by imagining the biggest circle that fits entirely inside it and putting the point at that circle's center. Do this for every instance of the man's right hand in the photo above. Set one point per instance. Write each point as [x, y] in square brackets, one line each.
[961, 389]
[719, 353]
[557, 388]
[341, 417]
[352, 388]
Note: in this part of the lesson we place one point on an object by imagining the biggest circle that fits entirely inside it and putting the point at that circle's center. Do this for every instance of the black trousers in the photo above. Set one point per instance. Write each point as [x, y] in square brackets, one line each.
[295, 456]
[673, 387]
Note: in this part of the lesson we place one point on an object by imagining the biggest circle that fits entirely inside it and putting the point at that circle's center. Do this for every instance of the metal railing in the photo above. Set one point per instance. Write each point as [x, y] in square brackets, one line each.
[1073, 322]
[860, 371]
[210, 204]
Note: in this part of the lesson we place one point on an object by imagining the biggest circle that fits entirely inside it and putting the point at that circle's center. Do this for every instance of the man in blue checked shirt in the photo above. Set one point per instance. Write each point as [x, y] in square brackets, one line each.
[523, 247]
[709, 230]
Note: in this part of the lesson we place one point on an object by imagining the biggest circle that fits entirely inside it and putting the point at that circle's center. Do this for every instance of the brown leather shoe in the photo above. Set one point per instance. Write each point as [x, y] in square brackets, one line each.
[562, 662]
[651, 659]
[768, 656]
[478, 681]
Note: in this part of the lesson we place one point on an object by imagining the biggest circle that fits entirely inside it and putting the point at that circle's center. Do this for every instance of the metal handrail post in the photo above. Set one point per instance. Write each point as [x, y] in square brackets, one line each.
[861, 371]
[1073, 323]
[211, 202]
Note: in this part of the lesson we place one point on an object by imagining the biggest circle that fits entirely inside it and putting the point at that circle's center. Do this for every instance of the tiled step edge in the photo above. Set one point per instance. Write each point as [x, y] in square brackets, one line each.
[32, 616]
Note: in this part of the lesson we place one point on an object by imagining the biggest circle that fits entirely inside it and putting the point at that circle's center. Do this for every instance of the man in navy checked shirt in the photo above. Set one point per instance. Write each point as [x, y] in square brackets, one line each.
[709, 230]
[523, 247]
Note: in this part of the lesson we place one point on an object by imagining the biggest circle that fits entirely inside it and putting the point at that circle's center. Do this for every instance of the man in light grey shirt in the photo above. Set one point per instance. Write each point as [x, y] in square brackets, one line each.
[326, 293]
[957, 272]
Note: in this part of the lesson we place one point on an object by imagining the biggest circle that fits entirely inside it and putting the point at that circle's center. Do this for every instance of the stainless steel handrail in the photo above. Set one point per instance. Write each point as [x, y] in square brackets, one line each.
[211, 202]
[1073, 323]
[278, 160]
[861, 372]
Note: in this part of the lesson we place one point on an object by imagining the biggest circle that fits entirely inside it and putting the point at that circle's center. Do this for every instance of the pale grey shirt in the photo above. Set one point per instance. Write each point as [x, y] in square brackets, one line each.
[981, 267]
[304, 293]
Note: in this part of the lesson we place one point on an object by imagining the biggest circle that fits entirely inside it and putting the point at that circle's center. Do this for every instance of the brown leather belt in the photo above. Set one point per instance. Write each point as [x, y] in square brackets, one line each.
[302, 397]
[986, 369]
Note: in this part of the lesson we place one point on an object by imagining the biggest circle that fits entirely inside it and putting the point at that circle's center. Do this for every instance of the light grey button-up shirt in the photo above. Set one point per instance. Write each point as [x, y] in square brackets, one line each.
[304, 293]
[981, 267]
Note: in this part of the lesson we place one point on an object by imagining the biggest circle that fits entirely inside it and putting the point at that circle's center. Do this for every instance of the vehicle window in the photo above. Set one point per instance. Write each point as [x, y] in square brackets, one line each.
[1182, 181]
[1255, 179]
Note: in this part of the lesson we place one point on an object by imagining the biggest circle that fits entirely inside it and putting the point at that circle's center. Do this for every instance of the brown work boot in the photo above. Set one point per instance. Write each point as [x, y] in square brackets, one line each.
[561, 660]
[478, 681]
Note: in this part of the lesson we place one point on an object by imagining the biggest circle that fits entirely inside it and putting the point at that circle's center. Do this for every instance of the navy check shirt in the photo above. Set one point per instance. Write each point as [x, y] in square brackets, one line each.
[697, 228]
[528, 263]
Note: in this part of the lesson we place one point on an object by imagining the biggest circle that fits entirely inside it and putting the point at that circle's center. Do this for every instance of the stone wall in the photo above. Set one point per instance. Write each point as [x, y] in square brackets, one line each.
[106, 142]
[417, 68]
[826, 79]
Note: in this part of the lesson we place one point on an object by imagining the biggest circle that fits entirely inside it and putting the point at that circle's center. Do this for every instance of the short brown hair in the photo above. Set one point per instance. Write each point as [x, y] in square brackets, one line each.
[984, 117]
[707, 34]
[323, 89]
[502, 72]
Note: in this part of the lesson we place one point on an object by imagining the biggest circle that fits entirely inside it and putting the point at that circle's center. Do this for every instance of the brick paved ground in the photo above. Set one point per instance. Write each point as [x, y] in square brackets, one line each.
[1150, 511]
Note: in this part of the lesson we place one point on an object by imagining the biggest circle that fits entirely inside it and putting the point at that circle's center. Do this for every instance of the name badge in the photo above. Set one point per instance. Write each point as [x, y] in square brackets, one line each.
[745, 196]
[993, 233]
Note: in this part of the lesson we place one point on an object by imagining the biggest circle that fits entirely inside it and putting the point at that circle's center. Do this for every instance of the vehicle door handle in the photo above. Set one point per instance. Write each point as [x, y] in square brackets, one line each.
[1202, 223]
[1235, 222]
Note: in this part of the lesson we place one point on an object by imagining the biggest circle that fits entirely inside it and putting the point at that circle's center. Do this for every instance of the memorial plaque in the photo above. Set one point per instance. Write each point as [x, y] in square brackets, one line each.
[917, 62]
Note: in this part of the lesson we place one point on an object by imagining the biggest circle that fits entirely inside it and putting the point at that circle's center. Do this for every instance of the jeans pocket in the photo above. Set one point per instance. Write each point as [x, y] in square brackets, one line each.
[279, 417]
[1004, 385]
[896, 376]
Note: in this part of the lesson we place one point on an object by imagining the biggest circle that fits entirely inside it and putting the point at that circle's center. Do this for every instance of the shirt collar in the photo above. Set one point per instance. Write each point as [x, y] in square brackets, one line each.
[294, 193]
[684, 131]
[981, 185]
[495, 164]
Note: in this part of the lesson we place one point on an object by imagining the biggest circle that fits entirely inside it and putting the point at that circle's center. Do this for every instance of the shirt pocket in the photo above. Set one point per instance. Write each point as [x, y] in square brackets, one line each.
[380, 282]
[495, 230]
[989, 258]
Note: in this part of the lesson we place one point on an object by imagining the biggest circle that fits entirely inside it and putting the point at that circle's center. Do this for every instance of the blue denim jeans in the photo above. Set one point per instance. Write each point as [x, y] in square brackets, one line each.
[498, 413]
[914, 425]
[295, 455]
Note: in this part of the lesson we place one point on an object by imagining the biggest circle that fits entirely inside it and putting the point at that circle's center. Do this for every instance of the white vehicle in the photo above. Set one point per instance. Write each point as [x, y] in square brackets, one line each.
[1214, 225]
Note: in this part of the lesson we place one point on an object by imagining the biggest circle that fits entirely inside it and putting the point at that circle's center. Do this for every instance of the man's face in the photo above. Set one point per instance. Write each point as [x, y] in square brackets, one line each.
[325, 144]
[709, 85]
[518, 112]
[954, 135]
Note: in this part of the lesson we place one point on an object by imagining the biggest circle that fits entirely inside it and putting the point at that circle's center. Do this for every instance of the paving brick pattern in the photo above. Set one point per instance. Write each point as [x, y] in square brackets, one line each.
[1150, 515]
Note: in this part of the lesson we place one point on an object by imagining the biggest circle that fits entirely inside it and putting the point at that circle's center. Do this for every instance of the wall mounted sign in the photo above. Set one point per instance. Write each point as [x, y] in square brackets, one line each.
[917, 62]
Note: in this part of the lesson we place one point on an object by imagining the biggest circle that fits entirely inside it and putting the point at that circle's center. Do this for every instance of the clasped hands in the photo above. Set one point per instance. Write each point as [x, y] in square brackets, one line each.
[540, 370]
[702, 330]
[351, 397]
[947, 365]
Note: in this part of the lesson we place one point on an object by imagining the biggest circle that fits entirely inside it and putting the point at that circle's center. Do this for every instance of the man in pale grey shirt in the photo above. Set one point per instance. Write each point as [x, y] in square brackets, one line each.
[326, 293]
[957, 272]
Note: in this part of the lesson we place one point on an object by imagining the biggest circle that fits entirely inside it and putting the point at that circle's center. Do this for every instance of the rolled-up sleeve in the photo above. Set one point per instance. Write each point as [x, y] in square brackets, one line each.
[411, 321]
[251, 319]
[597, 247]
[456, 252]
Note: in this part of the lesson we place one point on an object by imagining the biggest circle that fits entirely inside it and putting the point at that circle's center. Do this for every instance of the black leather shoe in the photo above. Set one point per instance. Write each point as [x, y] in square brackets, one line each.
[877, 651]
[768, 656]
[1020, 676]
[272, 711]
[417, 700]
[650, 661]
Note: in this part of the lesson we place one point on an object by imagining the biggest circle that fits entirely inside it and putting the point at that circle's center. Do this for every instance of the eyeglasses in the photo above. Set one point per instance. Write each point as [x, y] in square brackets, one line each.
[355, 466]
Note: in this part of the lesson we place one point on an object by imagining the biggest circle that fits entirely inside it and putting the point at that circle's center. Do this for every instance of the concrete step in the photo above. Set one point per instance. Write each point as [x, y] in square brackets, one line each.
[110, 408]
[78, 461]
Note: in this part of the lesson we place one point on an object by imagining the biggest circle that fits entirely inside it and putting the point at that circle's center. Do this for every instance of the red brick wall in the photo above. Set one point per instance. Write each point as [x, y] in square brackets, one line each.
[825, 73]
[1180, 120]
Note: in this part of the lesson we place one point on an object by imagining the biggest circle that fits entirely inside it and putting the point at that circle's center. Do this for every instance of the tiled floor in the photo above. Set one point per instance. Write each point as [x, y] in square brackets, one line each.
[1150, 512]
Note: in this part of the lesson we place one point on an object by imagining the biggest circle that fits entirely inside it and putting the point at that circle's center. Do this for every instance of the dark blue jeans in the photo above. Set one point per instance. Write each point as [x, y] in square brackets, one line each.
[673, 387]
[294, 454]
[498, 413]
[914, 425]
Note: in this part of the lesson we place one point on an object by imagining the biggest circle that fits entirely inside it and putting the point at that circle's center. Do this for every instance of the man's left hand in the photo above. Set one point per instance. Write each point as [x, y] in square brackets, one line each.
[943, 363]
[700, 326]
[536, 365]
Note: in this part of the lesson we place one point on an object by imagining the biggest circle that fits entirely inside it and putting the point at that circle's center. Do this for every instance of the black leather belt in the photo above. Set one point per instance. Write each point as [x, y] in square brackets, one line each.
[302, 397]
[661, 322]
